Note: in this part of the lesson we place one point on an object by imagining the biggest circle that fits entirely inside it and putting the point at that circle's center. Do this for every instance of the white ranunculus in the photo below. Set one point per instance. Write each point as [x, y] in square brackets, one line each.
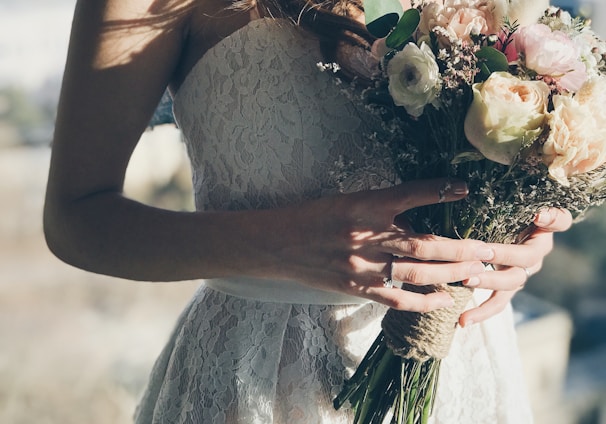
[577, 139]
[506, 113]
[414, 78]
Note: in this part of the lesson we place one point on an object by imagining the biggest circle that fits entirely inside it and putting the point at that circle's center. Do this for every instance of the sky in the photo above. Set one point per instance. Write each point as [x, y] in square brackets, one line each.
[33, 40]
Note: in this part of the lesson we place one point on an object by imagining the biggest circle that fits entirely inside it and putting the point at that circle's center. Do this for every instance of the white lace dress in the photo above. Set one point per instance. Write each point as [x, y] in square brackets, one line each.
[265, 128]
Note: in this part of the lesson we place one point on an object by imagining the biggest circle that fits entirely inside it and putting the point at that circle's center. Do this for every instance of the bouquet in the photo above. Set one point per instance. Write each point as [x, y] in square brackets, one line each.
[519, 112]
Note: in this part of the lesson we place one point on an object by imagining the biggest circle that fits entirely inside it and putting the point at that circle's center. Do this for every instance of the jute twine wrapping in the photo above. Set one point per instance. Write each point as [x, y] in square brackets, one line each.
[422, 336]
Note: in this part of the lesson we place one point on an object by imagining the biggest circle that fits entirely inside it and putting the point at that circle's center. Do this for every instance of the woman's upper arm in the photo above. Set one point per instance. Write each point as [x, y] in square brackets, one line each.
[122, 55]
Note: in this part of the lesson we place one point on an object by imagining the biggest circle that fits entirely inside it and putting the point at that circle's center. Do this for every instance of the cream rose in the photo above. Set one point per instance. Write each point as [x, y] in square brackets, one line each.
[577, 139]
[414, 78]
[505, 114]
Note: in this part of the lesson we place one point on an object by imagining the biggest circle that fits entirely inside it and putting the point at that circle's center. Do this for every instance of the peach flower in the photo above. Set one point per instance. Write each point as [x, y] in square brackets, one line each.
[577, 139]
[460, 19]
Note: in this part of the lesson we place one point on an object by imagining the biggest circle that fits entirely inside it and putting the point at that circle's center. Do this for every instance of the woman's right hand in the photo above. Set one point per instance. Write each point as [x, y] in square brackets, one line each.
[350, 244]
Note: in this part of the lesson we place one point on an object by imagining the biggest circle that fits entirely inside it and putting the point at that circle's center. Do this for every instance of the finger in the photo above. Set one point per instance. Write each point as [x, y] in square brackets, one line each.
[432, 247]
[422, 273]
[506, 278]
[495, 304]
[553, 219]
[403, 300]
[524, 255]
[412, 194]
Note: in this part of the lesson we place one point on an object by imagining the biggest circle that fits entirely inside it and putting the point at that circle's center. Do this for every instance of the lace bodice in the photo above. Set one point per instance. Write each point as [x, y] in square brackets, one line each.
[264, 128]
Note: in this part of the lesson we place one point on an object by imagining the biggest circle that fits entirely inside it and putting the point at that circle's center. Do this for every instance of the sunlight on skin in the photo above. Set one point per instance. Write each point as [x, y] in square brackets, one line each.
[126, 32]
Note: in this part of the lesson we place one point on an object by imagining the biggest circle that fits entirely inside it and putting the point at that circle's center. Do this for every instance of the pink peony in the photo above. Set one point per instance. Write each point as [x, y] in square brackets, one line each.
[551, 53]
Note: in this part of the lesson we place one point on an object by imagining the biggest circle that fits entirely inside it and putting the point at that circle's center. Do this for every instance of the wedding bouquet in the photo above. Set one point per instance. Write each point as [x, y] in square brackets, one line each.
[519, 112]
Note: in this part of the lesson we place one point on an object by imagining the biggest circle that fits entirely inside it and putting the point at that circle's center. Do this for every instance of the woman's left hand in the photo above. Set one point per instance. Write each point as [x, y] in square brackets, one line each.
[514, 264]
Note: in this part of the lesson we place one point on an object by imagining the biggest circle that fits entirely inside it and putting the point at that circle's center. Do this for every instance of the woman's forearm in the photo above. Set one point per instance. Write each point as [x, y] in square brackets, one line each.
[109, 234]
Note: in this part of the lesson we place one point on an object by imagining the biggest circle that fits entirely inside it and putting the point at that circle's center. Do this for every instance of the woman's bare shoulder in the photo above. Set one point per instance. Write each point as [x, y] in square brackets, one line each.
[208, 22]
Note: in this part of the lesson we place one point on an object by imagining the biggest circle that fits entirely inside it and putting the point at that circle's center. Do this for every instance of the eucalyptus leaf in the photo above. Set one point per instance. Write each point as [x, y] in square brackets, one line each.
[491, 60]
[468, 156]
[406, 27]
[382, 16]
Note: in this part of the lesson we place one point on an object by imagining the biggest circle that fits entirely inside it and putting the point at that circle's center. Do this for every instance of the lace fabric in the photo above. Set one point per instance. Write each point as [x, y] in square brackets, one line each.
[265, 128]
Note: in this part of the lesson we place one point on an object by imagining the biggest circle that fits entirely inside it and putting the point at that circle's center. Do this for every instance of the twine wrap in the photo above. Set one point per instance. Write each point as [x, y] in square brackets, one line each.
[423, 336]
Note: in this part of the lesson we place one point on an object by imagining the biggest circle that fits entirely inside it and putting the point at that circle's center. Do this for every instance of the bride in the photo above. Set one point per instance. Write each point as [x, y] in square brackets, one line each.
[293, 271]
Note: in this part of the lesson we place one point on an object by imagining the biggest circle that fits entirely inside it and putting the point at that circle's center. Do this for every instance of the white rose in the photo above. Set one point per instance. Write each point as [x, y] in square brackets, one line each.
[577, 138]
[505, 114]
[414, 78]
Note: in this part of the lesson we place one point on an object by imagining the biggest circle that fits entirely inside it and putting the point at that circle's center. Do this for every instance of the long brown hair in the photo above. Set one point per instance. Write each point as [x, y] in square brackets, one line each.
[331, 20]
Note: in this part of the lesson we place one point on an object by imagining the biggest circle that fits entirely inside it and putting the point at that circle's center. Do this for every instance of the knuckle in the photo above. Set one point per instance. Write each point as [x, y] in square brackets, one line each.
[415, 275]
[417, 248]
[400, 303]
[395, 304]
[347, 285]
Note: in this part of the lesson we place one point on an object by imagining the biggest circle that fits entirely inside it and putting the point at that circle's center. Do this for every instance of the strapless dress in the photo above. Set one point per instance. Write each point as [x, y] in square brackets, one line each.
[265, 128]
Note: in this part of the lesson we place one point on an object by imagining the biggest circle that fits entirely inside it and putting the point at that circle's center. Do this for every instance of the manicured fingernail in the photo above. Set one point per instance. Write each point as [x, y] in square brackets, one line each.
[484, 253]
[472, 282]
[544, 217]
[477, 268]
[452, 190]
[459, 188]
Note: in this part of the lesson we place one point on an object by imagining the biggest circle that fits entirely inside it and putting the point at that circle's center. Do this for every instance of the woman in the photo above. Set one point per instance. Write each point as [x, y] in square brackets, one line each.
[294, 272]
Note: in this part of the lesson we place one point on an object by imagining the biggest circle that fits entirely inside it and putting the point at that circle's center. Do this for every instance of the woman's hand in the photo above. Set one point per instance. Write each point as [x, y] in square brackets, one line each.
[515, 264]
[350, 244]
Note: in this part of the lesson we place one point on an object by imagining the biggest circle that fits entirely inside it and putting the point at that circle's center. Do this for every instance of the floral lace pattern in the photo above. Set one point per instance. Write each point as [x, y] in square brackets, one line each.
[265, 128]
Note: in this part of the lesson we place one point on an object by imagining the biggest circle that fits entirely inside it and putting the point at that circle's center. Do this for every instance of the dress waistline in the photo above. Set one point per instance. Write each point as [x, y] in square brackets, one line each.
[280, 291]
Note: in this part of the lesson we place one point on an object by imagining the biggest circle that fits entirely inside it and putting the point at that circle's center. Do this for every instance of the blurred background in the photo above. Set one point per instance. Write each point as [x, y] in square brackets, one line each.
[77, 347]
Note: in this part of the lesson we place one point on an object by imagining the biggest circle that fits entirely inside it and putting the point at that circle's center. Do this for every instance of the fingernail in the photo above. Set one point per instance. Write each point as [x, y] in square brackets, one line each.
[477, 268]
[484, 253]
[472, 282]
[453, 189]
[459, 188]
[544, 217]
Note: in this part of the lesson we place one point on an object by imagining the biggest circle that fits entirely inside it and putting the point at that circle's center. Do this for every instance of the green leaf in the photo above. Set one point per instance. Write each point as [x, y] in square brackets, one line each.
[381, 16]
[491, 60]
[467, 156]
[405, 28]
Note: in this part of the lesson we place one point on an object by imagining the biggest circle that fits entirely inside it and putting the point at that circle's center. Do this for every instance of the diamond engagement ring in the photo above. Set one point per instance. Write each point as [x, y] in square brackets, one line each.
[389, 282]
